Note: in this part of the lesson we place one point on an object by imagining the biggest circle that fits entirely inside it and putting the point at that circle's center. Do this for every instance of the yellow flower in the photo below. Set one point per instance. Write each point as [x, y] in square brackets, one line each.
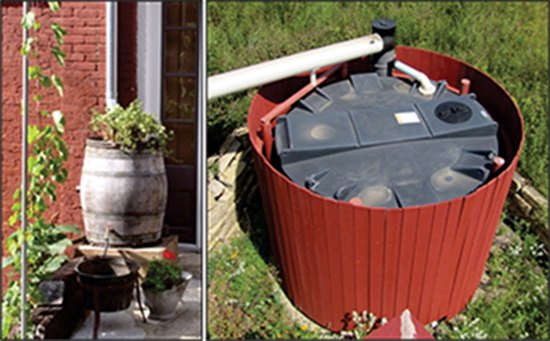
[234, 255]
[278, 335]
[304, 327]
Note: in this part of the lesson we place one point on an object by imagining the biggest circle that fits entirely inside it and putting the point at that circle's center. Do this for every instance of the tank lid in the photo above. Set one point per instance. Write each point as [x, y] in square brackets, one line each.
[377, 141]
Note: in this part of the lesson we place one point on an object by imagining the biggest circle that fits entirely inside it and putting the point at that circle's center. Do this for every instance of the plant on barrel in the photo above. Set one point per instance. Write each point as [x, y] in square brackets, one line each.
[163, 286]
[131, 128]
[123, 187]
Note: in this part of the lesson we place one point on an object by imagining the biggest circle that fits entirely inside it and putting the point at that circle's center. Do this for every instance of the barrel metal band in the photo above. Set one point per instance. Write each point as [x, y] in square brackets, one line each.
[117, 217]
[120, 174]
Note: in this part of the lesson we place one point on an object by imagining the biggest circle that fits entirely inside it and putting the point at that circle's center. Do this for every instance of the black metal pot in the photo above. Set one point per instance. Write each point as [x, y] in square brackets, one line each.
[107, 282]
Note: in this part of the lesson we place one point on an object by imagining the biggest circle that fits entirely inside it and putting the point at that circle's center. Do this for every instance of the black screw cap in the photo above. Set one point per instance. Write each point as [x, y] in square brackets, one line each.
[453, 112]
[386, 29]
[383, 27]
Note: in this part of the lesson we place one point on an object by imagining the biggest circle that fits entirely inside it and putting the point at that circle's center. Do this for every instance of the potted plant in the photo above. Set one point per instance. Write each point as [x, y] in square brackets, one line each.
[123, 187]
[163, 286]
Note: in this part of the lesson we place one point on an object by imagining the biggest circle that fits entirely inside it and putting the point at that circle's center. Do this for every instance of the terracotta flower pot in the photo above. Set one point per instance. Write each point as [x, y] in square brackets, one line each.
[163, 304]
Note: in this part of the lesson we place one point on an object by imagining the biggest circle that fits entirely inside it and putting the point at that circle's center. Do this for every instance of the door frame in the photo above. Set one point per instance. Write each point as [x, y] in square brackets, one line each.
[149, 90]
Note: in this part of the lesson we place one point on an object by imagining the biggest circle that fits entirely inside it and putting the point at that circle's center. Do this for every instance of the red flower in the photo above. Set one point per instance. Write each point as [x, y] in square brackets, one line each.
[169, 255]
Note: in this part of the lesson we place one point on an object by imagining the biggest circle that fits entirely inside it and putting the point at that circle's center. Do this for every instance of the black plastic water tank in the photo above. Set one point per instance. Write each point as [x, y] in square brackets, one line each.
[378, 140]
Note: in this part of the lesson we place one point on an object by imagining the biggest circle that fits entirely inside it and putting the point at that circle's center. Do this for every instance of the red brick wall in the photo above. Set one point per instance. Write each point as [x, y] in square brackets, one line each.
[84, 80]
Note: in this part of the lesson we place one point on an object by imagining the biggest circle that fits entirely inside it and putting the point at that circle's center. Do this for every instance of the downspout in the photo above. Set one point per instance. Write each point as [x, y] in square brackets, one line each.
[24, 134]
[111, 53]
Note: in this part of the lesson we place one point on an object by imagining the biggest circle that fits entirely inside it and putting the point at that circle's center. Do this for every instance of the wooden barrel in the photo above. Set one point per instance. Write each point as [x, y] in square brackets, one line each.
[125, 192]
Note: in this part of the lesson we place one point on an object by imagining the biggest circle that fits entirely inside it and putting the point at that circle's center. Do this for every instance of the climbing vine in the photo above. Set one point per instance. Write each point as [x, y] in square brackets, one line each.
[46, 241]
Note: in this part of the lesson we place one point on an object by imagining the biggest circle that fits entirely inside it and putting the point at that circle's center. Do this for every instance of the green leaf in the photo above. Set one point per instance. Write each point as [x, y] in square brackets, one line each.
[59, 120]
[17, 194]
[64, 171]
[47, 130]
[34, 71]
[16, 207]
[50, 190]
[44, 113]
[12, 220]
[59, 32]
[37, 98]
[68, 229]
[7, 261]
[33, 134]
[45, 81]
[27, 45]
[59, 55]
[28, 20]
[31, 162]
[58, 84]
[37, 25]
[54, 5]
[12, 242]
[58, 178]
[52, 264]
[59, 247]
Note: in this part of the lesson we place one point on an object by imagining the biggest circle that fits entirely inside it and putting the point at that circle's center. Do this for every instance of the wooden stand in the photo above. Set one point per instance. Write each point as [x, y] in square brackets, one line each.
[141, 255]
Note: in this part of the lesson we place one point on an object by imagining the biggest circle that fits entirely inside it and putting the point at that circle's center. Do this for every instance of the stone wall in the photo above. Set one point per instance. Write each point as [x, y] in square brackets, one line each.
[527, 203]
[231, 181]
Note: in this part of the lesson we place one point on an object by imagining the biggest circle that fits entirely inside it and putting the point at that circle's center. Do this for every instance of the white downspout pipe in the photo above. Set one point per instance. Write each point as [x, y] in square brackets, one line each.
[426, 86]
[111, 53]
[284, 67]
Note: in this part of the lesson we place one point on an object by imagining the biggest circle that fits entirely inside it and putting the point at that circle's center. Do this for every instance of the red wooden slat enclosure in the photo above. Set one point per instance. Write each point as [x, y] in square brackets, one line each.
[336, 257]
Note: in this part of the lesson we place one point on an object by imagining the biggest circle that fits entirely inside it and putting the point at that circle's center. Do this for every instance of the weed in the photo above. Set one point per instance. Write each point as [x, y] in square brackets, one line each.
[365, 323]
[213, 168]
[242, 301]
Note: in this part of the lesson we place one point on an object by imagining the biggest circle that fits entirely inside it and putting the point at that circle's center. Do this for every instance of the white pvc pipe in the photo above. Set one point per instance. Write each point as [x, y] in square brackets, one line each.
[110, 53]
[24, 135]
[284, 67]
[201, 137]
[426, 86]
[201, 160]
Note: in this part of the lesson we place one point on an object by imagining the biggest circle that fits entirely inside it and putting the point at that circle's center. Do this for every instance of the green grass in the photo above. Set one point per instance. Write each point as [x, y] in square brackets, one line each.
[508, 40]
[242, 302]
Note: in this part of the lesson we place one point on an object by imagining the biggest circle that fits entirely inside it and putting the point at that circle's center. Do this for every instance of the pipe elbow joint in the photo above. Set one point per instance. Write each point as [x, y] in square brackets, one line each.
[426, 86]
